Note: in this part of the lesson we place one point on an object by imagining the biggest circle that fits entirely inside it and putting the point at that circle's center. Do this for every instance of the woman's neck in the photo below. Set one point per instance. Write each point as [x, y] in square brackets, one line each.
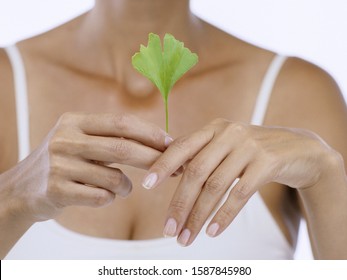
[131, 17]
[116, 28]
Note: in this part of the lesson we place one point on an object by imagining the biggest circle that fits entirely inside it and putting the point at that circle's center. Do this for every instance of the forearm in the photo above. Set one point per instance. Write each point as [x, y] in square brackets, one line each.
[11, 230]
[325, 205]
[14, 221]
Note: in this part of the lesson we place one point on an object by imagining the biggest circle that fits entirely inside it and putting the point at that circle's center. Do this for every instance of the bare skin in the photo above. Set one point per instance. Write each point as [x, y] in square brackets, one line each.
[84, 66]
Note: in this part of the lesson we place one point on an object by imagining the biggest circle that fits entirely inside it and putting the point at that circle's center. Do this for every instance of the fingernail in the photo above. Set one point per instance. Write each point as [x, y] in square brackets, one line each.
[150, 181]
[184, 237]
[212, 230]
[126, 190]
[168, 140]
[170, 228]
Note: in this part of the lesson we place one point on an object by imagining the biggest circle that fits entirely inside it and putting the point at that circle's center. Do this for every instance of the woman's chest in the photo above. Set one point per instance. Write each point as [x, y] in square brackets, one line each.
[191, 106]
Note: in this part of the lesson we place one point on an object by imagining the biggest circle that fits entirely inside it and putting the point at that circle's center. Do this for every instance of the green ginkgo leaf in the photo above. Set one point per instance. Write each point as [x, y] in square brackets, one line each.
[164, 67]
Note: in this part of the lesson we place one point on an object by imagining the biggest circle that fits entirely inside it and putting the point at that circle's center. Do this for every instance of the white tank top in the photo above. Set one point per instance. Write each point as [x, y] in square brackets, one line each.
[253, 234]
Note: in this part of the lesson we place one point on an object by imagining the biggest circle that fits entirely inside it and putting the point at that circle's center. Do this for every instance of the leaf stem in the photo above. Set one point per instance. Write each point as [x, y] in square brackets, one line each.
[167, 115]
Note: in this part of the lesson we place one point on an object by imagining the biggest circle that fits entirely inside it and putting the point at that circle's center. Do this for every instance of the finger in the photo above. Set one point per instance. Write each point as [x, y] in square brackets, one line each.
[179, 152]
[118, 150]
[111, 179]
[126, 126]
[248, 184]
[76, 194]
[212, 194]
[195, 174]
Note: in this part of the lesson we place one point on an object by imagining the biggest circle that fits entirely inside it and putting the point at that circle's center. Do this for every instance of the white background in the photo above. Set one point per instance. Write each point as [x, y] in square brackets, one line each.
[311, 29]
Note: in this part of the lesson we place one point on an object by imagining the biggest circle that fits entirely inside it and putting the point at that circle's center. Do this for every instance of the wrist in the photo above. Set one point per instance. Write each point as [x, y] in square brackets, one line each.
[13, 204]
[332, 177]
[324, 204]
[14, 220]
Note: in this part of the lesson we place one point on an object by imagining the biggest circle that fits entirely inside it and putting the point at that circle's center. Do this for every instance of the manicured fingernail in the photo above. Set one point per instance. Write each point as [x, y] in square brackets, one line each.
[168, 140]
[184, 237]
[212, 230]
[170, 228]
[126, 190]
[150, 181]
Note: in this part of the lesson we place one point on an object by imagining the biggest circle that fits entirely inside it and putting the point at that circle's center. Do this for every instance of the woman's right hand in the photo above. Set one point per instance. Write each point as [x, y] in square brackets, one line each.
[70, 166]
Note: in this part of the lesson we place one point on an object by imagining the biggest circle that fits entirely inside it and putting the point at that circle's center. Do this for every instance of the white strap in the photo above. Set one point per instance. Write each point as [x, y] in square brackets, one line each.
[22, 111]
[266, 89]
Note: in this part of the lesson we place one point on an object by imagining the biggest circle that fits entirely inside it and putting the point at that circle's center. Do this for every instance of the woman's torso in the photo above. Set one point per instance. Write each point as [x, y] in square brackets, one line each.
[227, 89]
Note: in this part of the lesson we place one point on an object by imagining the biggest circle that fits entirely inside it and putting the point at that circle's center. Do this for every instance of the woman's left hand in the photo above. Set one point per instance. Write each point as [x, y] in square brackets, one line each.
[223, 151]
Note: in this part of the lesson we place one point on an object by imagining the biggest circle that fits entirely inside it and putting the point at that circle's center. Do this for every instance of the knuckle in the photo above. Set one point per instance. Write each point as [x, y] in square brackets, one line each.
[237, 128]
[254, 145]
[215, 184]
[121, 150]
[195, 218]
[122, 121]
[157, 136]
[67, 118]
[316, 145]
[234, 130]
[178, 206]
[113, 179]
[195, 170]
[334, 159]
[79, 145]
[64, 143]
[57, 143]
[56, 169]
[163, 165]
[218, 121]
[181, 143]
[242, 191]
[102, 198]
[226, 212]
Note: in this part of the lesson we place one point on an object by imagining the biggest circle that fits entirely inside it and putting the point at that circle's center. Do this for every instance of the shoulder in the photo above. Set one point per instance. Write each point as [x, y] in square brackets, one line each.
[306, 96]
[8, 135]
[307, 78]
[233, 53]
[40, 54]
